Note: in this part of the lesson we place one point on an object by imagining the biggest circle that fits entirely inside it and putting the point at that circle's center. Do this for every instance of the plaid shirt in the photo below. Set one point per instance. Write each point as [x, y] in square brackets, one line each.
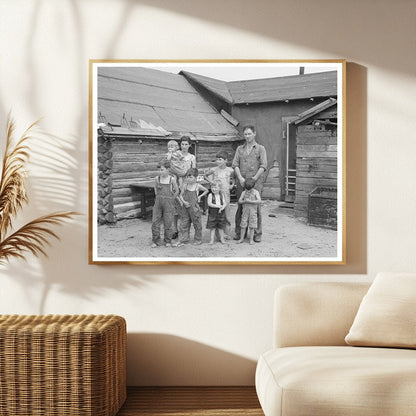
[250, 163]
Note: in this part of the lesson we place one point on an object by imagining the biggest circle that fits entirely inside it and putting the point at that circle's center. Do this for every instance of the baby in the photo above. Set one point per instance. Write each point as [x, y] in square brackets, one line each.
[176, 159]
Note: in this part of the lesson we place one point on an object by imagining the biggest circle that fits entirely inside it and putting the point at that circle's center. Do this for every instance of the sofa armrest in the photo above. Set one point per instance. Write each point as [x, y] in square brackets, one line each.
[308, 314]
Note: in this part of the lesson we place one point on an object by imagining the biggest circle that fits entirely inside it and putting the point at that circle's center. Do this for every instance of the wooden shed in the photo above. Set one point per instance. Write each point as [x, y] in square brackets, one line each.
[271, 104]
[139, 111]
[317, 164]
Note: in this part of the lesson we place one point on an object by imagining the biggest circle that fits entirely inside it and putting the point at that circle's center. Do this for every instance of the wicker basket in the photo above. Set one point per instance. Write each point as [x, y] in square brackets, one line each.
[71, 365]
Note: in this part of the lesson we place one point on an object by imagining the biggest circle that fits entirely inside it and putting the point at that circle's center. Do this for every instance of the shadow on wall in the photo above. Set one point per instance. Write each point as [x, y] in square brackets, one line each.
[54, 186]
[356, 168]
[59, 181]
[161, 359]
[334, 27]
[62, 183]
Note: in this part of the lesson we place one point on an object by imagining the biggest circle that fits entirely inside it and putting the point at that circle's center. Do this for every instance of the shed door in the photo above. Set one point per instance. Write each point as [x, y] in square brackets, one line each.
[289, 138]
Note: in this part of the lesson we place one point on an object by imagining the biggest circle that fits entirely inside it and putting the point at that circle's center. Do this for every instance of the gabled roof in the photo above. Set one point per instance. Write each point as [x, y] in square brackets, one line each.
[159, 99]
[294, 87]
[215, 86]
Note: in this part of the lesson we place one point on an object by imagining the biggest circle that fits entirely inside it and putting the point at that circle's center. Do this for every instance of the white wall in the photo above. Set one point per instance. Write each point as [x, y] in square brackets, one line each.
[204, 325]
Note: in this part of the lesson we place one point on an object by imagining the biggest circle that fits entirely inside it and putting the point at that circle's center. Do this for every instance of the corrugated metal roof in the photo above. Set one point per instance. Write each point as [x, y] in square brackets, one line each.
[294, 87]
[157, 97]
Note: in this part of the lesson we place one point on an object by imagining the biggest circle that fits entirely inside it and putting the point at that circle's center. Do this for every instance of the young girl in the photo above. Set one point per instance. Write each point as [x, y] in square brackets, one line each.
[217, 219]
[189, 198]
[166, 191]
[250, 199]
[225, 176]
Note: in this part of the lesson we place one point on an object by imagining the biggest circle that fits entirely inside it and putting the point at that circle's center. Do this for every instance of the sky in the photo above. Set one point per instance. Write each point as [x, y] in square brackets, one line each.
[243, 71]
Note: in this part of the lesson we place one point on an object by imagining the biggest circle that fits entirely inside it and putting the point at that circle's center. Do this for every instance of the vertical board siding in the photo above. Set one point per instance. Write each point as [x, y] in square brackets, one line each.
[316, 164]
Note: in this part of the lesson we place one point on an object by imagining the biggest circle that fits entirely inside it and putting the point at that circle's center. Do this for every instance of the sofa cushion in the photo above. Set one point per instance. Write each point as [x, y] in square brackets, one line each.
[304, 381]
[387, 314]
[315, 314]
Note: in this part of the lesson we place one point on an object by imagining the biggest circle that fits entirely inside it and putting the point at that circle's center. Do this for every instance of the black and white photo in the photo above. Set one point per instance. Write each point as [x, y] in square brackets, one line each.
[217, 162]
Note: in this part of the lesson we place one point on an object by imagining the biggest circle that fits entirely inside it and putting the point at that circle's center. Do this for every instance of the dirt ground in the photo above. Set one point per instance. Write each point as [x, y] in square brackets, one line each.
[284, 236]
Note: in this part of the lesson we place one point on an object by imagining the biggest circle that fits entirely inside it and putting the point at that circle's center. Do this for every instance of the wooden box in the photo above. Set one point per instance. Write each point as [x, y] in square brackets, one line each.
[322, 207]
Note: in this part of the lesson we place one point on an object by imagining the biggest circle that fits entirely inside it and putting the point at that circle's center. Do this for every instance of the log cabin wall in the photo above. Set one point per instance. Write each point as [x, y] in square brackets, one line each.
[316, 163]
[105, 205]
[135, 159]
[124, 160]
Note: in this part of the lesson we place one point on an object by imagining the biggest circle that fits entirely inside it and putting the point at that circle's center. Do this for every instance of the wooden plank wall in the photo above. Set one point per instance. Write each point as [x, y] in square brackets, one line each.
[271, 186]
[316, 164]
[133, 160]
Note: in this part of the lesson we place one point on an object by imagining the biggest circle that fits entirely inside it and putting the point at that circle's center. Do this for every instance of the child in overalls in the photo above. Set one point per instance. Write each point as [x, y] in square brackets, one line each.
[225, 175]
[166, 191]
[189, 198]
[217, 220]
[250, 199]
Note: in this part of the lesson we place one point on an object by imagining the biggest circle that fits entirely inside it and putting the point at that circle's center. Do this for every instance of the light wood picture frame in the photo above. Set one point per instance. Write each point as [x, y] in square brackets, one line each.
[294, 147]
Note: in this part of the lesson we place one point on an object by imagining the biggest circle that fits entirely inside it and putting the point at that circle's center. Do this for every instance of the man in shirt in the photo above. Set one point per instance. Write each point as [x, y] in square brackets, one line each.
[250, 161]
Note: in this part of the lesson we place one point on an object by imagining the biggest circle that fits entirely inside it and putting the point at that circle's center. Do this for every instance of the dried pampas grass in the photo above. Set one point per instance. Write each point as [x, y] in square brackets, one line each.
[34, 236]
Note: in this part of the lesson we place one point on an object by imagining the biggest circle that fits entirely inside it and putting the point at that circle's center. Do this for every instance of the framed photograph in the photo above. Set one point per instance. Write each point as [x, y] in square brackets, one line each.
[217, 162]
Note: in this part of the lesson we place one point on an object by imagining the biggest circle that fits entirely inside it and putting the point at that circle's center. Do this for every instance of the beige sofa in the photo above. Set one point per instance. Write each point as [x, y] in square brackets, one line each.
[311, 370]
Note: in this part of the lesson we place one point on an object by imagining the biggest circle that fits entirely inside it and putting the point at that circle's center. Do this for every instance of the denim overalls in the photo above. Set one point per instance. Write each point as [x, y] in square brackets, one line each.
[163, 210]
[191, 215]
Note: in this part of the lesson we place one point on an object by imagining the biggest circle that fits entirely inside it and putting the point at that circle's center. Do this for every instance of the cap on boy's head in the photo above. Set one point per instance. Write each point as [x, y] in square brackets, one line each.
[222, 154]
[249, 183]
[165, 163]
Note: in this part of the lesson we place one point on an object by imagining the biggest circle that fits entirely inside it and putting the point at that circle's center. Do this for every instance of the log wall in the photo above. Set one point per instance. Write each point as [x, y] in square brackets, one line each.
[125, 160]
[134, 160]
[105, 204]
[206, 153]
[316, 164]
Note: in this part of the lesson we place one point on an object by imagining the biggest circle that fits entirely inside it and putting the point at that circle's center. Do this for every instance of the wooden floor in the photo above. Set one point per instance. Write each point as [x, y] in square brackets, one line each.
[187, 401]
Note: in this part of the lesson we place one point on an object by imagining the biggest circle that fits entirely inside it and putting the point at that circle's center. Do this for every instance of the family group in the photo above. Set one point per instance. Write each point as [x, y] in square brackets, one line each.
[180, 188]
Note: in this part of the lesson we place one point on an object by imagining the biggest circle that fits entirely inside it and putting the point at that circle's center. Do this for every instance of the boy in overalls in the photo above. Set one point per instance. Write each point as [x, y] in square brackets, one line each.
[166, 191]
[190, 197]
